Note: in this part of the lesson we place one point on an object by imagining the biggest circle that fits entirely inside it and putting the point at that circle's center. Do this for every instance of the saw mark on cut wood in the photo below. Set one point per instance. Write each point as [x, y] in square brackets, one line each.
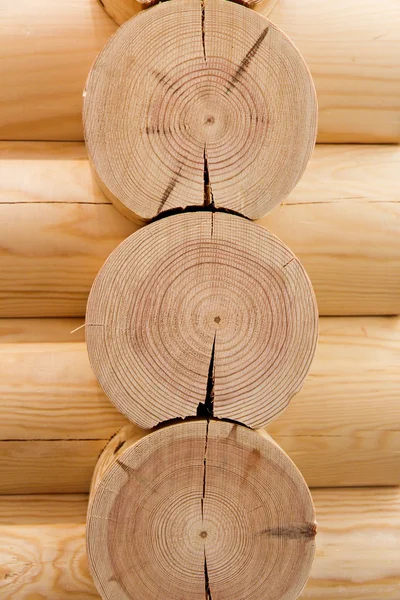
[292, 532]
[288, 263]
[247, 60]
[152, 130]
[169, 189]
[164, 80]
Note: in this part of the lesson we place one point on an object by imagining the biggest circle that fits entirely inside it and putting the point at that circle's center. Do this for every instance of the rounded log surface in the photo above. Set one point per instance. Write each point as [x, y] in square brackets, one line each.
[122, 10]
[202, 509]
[201, 308]
[186, 93]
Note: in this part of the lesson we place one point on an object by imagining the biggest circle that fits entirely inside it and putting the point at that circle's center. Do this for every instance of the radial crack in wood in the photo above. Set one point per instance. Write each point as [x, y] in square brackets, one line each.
[221, 89]
[203, 313]
[208, 195]
[206, 579]
[251, 486]
[203, 29]
[206, 408]
[247, 59]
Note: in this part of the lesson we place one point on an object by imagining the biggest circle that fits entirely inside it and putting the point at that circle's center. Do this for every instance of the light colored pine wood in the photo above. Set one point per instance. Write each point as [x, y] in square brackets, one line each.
[341, 429]
[342, 221]
[341, 44]
[48, 48]
[209, 507]
[200, 105]
[201, 311]
[57, 466]
[54, 251]
[358, 545]
[352, 49]
[122, 10]
[42, 466]
[15, 332]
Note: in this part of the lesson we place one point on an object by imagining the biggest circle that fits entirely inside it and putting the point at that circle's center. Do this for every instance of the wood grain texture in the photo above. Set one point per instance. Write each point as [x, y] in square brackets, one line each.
[49, 395]
[214, 122]
[357, 557]
[47, 466]
[201, 313]
[223, 510]
[358, 93]
[48, 49]
[57, 229]
[352, 49]
[122, 10]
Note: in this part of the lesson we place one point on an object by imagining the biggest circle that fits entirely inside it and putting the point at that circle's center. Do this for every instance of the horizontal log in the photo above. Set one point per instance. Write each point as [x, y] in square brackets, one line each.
[48, 466]
[57, 229]
[48, 49]
[43, 551]
[352, 49]
[341, 429]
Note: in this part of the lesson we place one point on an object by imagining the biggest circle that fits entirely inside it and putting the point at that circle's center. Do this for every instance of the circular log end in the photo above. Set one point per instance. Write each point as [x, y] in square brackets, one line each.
[201, 313]
[191, 95]
[203, 509]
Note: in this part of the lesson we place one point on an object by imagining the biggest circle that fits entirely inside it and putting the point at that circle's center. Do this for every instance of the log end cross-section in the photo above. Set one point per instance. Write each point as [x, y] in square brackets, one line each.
[201, 510]
[205, 313]
[191, 82]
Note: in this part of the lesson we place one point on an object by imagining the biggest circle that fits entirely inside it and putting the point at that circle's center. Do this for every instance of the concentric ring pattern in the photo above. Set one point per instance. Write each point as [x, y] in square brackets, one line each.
[201, 508]
[200, 300]
[180, 89]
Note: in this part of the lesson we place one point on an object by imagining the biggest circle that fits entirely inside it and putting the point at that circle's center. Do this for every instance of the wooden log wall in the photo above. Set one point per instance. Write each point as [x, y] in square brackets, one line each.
[43, 546]
[55, 419]
[57, 229]
[351, 48]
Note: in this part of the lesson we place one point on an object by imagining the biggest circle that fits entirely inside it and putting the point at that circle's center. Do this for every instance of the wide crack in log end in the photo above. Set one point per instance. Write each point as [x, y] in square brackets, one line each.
[203, 28]
[208, 195]
[206, 580]
[206, 409]
[247, 60]
[204, 470]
